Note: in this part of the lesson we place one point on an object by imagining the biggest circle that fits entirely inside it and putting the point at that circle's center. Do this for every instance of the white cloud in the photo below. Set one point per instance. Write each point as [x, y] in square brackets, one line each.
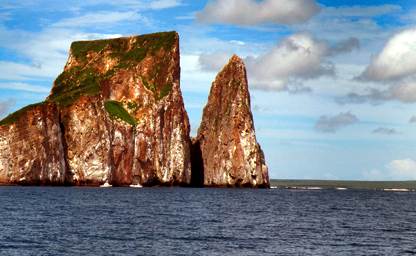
[285, 66]
[251, 12]
[397, 59]
[100, 18]
[5, 106]
[25, 87]
[331, 124]
[352, 21]
[16, 71]
[403, 91]
[214, 61]
[47, 51]
[404, 169]
[395, 67]
[401, 169]
[164, 4]
[361, 11]
[78, 5]
[298, 57]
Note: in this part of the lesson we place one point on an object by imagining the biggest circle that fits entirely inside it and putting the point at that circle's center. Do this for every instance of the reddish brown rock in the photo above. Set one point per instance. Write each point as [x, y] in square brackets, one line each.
[128, 125]
[225, 151]
[120, 117]
[31, 150]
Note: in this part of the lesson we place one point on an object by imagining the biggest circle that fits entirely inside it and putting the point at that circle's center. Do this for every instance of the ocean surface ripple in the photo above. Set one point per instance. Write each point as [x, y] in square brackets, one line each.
[187, 221]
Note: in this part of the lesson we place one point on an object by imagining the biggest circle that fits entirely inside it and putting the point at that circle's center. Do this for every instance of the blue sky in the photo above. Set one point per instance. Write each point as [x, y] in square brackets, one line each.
[333, 83]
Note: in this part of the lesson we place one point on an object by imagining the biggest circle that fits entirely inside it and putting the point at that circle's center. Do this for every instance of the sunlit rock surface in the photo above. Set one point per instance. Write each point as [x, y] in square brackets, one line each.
[225, 151]
[119, 118]
[31, 149]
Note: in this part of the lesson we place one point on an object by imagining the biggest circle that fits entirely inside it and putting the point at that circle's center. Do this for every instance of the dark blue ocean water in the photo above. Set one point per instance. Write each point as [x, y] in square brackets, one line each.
[185, 221]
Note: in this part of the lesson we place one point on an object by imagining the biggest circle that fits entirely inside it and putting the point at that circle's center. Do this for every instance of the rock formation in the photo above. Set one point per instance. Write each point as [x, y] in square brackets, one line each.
[225, 151]
[115, 115]
[31, 148]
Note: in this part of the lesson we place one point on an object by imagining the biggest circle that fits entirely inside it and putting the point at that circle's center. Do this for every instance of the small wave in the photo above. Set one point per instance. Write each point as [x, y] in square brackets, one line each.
[273, 187]
[341, 188]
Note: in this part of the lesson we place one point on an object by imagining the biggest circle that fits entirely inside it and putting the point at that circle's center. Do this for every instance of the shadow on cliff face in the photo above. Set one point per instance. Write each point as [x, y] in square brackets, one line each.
[197, 175]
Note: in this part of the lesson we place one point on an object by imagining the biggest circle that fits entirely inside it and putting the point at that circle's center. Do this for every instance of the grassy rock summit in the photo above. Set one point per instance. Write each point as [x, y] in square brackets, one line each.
[114, 115]
[229, 154]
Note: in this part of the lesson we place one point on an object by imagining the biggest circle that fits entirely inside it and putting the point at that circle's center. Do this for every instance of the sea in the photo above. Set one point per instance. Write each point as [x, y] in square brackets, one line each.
[205, 221]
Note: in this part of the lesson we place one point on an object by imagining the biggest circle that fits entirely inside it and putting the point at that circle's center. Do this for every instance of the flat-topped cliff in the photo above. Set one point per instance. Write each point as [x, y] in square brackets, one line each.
[115, 114]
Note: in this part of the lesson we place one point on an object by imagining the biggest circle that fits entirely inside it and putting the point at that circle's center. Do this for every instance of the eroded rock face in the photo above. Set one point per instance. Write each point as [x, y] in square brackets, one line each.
[225, 151]
[116, 114]
[31, 150]
[129, 125]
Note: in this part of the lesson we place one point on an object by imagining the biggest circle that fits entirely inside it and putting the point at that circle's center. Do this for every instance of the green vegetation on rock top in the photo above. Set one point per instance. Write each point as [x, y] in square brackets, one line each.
[143, 44]
[12, 118]
[116, 111]
[73, 83]
[83, 80]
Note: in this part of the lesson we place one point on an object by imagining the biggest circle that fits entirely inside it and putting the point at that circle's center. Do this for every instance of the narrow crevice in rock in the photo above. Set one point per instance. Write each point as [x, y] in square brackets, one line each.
[197, 165]
[67, 173]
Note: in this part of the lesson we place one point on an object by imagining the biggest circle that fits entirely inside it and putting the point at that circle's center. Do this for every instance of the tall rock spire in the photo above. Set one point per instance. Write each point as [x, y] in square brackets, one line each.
[225, 151]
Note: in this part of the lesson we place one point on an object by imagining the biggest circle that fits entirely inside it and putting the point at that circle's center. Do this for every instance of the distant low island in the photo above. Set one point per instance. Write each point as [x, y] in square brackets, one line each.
[398, 186]
[116, 117]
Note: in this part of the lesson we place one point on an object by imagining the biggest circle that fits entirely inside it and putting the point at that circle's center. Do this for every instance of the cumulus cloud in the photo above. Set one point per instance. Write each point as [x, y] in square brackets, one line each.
[5, 106]
[296, 58]
[403, 169]
[252, 12]
[397, 59]
[403, 91]
[412, 119]
[395, 67]
[214, 61]
[385, 131]
[331, 124]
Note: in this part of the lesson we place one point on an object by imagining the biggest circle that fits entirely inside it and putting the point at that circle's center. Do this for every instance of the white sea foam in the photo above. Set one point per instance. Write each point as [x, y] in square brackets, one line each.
[313, 188]
[305, 188]
[396, 189]
[106, 185]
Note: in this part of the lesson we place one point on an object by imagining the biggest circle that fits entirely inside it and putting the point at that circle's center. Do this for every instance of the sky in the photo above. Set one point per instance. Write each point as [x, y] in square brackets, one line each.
[332, 82]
